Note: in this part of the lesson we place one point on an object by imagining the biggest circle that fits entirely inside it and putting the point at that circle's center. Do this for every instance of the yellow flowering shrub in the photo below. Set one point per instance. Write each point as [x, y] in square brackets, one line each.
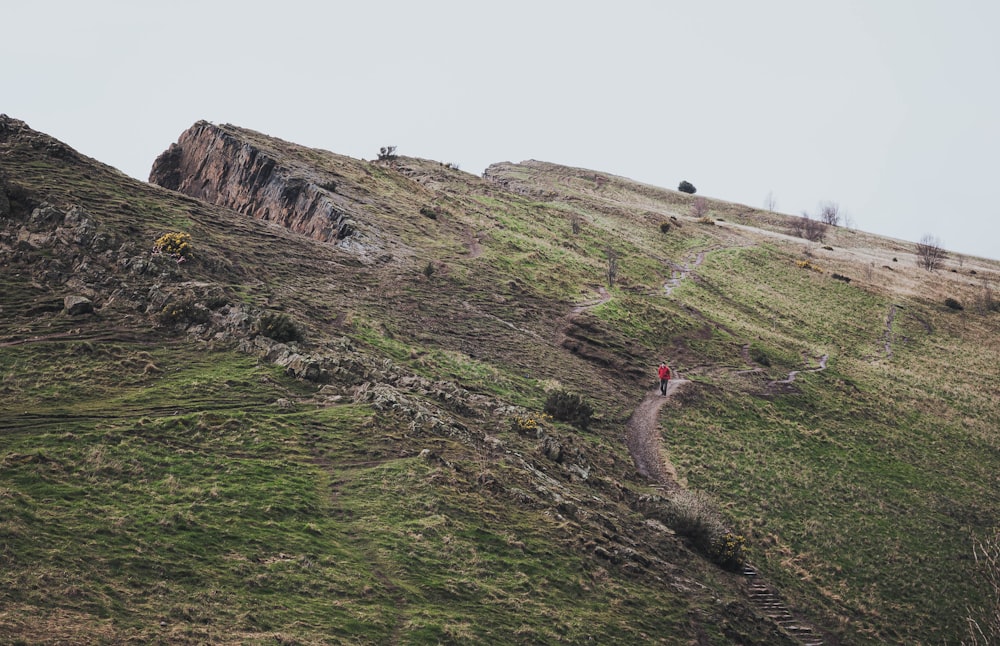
[529, 424]
[805, 264]
[177, 245]
[729, 551]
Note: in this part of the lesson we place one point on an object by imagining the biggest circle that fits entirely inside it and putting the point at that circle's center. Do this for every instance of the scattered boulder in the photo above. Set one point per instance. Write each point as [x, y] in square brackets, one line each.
[75, 305]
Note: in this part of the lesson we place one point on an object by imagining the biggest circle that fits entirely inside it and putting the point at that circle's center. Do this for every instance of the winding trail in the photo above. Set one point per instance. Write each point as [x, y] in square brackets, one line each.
[644, 441]
[645, 445]
[794, 373]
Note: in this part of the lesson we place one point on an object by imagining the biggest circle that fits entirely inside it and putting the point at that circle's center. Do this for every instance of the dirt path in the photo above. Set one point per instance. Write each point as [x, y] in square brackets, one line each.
[643, 439]
[794, 373]
[680, 272]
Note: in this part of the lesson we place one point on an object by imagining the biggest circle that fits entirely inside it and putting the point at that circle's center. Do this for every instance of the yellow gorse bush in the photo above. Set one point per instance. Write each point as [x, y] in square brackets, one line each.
[176, 245]
[528, 425]
[805, 264]
[729, 550]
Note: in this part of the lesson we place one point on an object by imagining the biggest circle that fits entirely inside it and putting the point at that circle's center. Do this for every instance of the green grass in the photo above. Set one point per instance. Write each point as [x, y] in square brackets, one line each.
[232, 524]
[153, 489]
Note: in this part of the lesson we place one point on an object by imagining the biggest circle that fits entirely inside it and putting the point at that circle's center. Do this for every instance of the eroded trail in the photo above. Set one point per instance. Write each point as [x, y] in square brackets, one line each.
[642, 437]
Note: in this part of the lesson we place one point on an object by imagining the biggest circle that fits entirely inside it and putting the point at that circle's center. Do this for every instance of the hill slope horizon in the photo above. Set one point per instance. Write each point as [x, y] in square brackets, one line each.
[331, 419]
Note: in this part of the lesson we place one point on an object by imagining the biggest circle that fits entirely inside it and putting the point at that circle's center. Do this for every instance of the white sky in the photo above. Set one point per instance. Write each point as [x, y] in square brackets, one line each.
[890, 108]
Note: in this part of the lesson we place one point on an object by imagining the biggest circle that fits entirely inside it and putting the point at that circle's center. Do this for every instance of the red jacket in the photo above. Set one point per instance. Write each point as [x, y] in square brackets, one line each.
[664, 372]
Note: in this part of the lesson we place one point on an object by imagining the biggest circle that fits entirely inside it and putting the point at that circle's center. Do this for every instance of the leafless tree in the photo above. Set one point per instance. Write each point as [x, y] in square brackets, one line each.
[806, 227]
[829, 213]
[699, 207]
[612, 266]
[985, 627]
[770, 202]
[930, 253]
[985, 302]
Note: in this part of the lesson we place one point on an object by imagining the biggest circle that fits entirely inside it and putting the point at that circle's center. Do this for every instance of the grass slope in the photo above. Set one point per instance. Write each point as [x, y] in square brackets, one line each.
[159, 485]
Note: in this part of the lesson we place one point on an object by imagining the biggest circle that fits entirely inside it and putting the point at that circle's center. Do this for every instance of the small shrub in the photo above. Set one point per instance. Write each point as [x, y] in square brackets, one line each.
[953, 304]
[828, 247]
[687, 187]
[387, 153]
[841, 277]
[429, 269]
[569, 407]
[279, 326]
[664, 227]
[706, 220]
[429, 212]
[177, 245]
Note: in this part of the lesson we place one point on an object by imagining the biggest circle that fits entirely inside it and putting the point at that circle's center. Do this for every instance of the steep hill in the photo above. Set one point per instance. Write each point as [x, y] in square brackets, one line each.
[325, 424]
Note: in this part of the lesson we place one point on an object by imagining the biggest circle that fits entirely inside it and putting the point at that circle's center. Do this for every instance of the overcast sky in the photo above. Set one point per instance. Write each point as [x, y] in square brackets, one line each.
[890, 108]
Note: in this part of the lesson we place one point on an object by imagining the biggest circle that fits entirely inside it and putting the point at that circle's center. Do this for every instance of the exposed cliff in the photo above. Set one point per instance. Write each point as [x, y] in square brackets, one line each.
[233, 167]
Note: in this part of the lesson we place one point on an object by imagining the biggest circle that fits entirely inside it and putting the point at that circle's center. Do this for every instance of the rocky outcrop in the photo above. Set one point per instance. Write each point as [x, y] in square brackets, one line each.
[220, 165]
[75, 305]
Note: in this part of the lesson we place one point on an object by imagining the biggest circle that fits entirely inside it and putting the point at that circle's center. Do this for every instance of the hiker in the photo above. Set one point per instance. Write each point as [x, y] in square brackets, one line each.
[664, 374]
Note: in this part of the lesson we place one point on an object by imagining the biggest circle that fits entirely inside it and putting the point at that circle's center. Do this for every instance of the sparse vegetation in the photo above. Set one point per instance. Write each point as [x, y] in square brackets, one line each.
[953, 304]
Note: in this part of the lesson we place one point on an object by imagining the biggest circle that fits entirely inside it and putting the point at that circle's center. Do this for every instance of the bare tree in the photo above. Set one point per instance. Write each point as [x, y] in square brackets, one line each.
[930, 253]
[612, 266]
[806, 227]
[829, 213]
[770, 202]
[699, 207]
[985, 302]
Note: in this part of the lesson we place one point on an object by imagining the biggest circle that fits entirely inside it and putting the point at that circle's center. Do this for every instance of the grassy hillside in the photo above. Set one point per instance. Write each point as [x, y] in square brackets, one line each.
[170, 473]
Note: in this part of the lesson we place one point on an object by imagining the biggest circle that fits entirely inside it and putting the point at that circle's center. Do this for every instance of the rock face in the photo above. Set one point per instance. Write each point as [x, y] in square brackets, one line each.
[220, 165]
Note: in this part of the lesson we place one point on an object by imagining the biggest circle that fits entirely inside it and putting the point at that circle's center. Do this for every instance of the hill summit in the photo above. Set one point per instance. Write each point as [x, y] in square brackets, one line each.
[280, 394]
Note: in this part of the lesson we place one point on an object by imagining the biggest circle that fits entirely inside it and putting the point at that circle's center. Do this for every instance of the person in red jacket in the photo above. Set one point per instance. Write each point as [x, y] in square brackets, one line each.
[664, 374]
